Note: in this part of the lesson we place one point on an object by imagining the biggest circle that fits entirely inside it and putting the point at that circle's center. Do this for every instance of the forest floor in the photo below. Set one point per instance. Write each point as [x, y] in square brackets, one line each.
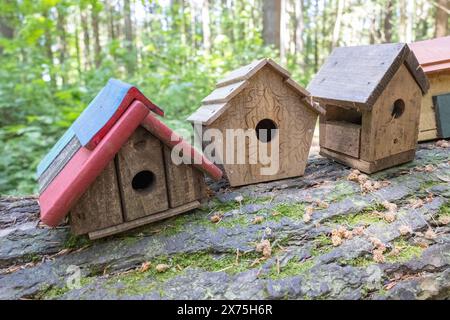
[320, 236]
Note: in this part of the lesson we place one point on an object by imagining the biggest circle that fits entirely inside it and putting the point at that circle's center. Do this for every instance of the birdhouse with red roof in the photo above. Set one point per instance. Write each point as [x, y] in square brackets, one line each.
[264, 103]
[434, 58]
[113, 169]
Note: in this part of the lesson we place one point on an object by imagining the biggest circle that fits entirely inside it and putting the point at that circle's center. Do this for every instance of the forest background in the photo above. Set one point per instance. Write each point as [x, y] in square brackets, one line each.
[55, 55]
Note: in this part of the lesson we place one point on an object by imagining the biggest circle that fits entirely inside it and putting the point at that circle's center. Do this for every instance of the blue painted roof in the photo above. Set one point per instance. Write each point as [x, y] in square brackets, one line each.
[91, 120]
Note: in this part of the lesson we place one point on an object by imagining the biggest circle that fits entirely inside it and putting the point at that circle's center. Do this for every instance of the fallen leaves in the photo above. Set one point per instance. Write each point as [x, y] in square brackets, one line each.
[430, 234]
[442, 144]
[258, 220]
[215, 218]
[378, 250]
[145, 266]
[427, 168]
[404, 230]
[416, 203]
[340, 234]
[308, 214]
[365, 183]
[162, 267]
[265, 248]
[444, 220]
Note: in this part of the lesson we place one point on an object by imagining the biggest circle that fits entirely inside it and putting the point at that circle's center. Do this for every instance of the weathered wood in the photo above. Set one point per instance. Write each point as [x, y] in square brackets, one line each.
[58, 163]
[442, 104]
[343, 137]
[142, 221]
[395, 135]
[184, 182]
[360, 74]
[224, 94]
[433, 55]
[142, 153]
[100, 206]
[268, 97]
[439, 84]
[369, 167]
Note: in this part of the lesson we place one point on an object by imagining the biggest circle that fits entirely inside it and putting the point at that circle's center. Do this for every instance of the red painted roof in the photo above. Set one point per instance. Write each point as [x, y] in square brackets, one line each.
[86, 165]
[433, 55]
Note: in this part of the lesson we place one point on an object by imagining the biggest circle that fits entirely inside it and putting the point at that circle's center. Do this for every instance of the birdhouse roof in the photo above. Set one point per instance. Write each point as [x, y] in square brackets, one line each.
[234, 82]
[360, 74]
[77, 166]
[433, 55]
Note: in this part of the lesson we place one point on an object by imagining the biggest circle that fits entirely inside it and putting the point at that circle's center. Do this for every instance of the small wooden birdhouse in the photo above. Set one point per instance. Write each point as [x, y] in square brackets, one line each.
[272, 109]
[434, 57]
[372, 96]
[113, 170]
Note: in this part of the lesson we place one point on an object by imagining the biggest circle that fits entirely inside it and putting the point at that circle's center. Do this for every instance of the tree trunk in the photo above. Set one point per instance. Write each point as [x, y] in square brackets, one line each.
[129, 42]
[388, 22]
[95, 29]
[442, 12]
[5, 30]
[283, 32]
[205, 26]
[272, 22]
[402, 20]
[86, 39]
[299, 26]
[61, 24]
[337, 24]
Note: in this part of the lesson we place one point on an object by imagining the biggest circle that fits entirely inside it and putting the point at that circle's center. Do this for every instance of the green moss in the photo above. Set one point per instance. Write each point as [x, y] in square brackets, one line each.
[424, 186]
[293, 211]
[364, 217]
[361, 262]
[444, 210]
[292, 268]
[321, 245]
[342, 190]
[407, 252]
[76, 242]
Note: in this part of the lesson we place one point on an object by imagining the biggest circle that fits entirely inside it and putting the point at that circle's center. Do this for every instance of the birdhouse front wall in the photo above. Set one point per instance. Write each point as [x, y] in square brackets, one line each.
[439, 84]
[394, 122]
[268, 102]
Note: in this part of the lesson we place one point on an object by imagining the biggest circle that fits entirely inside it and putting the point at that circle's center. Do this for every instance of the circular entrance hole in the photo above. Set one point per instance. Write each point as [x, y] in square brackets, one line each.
[398, 108]
[264, 130]
[143, 181]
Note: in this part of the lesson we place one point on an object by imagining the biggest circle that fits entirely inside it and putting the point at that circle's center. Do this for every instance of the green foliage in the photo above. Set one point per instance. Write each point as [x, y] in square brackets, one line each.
[293, 211]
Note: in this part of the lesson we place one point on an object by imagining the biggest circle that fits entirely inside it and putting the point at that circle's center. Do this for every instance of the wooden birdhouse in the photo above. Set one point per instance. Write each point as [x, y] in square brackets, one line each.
[372, 96]
[434, 57]
[112, 170]
[262, 100]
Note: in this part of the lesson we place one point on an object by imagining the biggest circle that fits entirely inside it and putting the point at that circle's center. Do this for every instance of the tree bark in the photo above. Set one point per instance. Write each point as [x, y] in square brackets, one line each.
[61, 24]
[129, 41]
[95, 29]
[283, 32]
[272, 22]
[388, 22]
[441, 27]
[299, 26]
[206, 26]
[337, 24]
[86, 39]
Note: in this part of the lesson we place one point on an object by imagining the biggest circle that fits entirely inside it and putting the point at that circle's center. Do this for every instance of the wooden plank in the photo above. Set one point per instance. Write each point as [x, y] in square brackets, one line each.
[369, 167]
[358, 74]
[268, 97]
[143, 221]
[206, 114]
[393, 135]
[442, 105]
[225, 94]
[242, 73]
[183, 181]
[141, 159]
[433, 54]
[343, 137]
[439, 84]
[99, 207]
[418, 73]
[58, 163]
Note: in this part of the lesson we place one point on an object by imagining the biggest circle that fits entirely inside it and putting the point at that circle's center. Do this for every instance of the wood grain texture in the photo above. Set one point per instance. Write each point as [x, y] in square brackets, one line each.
[184, 182]
[142, 152]
[369, 167]
[100, 206]
[267, 96]
[442, 104]
[360, 74]
[396, 135]
[439, 84]
[343, 137]
[433, 55]
[143, 221]
[58, 163]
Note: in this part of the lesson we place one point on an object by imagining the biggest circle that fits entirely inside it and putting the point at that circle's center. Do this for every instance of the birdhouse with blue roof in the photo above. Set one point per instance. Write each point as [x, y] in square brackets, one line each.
[112, 170]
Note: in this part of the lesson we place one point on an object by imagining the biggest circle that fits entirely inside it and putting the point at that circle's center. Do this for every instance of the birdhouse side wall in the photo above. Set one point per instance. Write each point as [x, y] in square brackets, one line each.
[439, 84]
[394, 123]
[268, 97]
